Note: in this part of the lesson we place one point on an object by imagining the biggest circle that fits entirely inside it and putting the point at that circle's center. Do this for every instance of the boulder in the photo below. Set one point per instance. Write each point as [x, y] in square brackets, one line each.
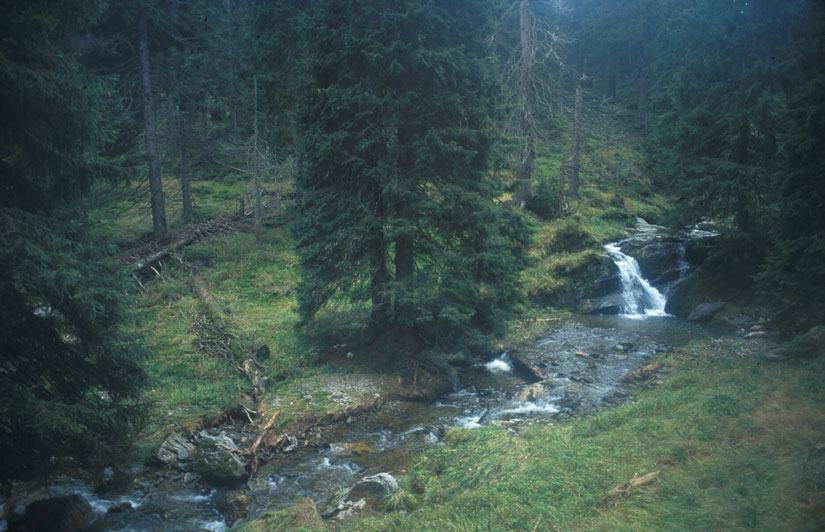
[176, 448]
[532, 392]
[217, 460]
[609, 304]
[704, 311]
[302, 515]
[235, 506]
[371, 490]
[808, 345]
[59, 514]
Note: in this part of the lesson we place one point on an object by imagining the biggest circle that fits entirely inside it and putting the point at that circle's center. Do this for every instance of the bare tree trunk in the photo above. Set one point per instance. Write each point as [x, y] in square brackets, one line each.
[233, 90]
[575, 159]
[524, 172]
[644, 91]
[257, 163]
[611, 85]
[185, 189]
[155, 185]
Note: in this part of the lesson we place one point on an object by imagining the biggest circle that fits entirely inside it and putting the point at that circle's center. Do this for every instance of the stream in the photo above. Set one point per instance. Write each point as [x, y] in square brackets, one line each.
[584, 357]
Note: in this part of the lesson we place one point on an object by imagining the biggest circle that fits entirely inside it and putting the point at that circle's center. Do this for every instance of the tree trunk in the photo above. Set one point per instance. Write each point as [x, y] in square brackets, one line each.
[233, 90]
[524, 172]
[644, 97]
[185, 189]
[257, 163]
[155, 185]
[380, 276]
[611, 85]
[575, 159]
[404, 257]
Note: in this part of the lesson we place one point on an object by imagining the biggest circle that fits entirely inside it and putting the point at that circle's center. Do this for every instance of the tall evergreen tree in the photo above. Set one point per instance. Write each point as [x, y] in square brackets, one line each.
[68, 372]
[395, 207]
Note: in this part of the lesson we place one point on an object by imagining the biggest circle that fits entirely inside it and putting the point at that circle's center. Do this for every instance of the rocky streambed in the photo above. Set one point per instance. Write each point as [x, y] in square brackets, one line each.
[583, 364]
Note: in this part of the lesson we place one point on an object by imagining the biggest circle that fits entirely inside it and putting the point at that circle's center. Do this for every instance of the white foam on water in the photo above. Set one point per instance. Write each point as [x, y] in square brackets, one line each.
[500, 364]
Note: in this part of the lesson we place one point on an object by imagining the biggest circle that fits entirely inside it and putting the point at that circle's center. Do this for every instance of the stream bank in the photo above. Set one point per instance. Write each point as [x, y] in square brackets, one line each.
[587, 361]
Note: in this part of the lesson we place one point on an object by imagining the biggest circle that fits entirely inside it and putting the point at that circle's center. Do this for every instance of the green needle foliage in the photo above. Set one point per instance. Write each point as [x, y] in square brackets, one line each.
[68, 372]
[395, 207]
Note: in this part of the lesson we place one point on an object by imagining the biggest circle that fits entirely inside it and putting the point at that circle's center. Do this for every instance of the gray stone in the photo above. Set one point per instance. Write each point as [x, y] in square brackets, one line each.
[704, 311]
[371, 490]
[217, 462]
[59, 514]
[609, 304]
[174, 449]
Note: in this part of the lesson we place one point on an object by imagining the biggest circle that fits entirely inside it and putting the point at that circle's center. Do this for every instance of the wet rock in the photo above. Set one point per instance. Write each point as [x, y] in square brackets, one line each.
[349, 509]
[741, 319]
[371, 490]
[624, 346]
[704, 311]
[606, 305]
[176, 448]
[113, 480]
[532, 392]
[352, 449]
[302, 515]
[526, 370]
[121, 507]
[59, 514]
[606, 286]
[291, 443]
[235, 506]
[217, 462]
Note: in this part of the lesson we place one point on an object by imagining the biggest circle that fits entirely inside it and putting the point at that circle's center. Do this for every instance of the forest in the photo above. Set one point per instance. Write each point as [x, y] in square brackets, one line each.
[411, 265]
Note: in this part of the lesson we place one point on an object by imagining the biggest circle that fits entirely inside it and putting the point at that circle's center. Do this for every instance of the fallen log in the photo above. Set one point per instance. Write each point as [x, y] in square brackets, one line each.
[527, 370]
[213, 309]
[165, 252]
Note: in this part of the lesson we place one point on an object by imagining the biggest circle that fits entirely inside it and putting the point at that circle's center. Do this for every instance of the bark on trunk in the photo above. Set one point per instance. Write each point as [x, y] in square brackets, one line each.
[644, 91]
[185, 189]
[524, 172]
[159, 227]
[233, 90]
[257, 163]
[575, 159]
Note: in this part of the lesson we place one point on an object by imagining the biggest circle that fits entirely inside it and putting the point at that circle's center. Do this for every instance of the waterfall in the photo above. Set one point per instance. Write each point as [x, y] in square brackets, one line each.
[640, 298]
[682, 263]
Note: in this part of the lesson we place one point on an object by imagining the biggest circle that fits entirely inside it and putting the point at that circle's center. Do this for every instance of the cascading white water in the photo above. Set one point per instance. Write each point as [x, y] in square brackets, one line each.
[682, 263]
[640, 298]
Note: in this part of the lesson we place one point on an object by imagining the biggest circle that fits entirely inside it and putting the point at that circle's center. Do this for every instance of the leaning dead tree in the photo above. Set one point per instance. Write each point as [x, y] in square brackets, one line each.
[534, 74]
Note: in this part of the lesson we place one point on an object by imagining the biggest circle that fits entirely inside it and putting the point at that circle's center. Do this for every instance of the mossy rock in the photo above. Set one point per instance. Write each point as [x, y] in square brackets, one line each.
[808, 345]
[302, 516]
[726, 276]
[217, 464]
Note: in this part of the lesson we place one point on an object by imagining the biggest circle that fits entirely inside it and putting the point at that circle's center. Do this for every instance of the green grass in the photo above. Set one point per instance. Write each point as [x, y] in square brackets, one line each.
[730, 437]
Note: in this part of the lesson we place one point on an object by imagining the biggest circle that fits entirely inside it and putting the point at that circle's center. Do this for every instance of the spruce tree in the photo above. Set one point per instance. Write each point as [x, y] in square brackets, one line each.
[395, 207]
[68, 373]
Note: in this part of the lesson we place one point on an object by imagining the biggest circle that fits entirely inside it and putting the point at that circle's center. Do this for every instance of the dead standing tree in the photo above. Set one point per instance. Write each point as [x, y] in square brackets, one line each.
[533, 74]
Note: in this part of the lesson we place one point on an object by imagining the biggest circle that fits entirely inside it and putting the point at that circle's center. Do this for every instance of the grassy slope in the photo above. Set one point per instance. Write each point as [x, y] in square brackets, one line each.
[730, 435]
[254, 284]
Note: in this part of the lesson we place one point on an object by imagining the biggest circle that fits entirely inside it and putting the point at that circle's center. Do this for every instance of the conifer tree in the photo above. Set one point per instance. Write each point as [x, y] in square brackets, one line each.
[68, 372]
[395, 207]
